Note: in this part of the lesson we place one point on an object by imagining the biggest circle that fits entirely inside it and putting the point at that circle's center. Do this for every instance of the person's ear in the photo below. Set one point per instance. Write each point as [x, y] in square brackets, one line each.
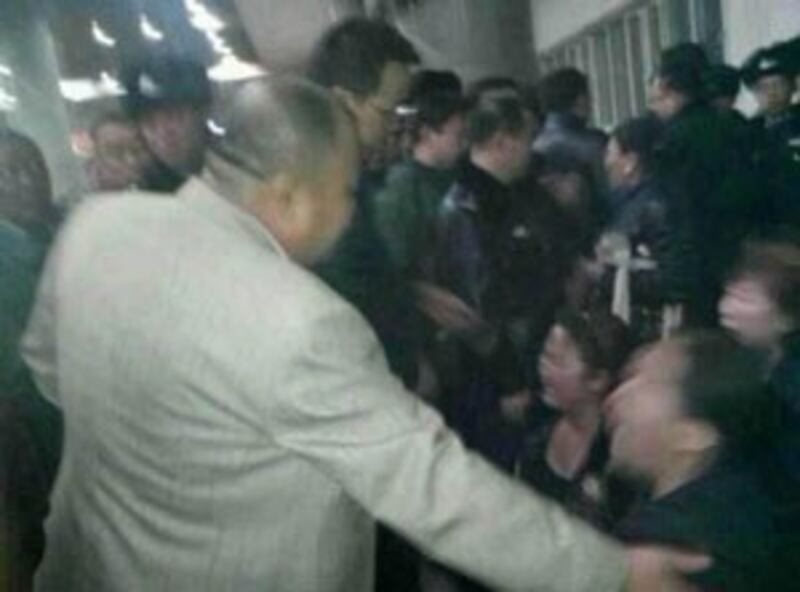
[599, 382]
[691, 436]
[351, 102]
[631, 164]
[275, 198]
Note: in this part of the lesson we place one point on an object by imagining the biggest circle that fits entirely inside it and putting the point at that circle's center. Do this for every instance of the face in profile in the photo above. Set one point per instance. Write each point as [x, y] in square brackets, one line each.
[121, 157]
[773, 94]
[563, 372]
[448, 142]
[619, 165]
[374, 113]
[331, 197]
[642, 414]
[663, 101]
[176, 135]
[751, 314]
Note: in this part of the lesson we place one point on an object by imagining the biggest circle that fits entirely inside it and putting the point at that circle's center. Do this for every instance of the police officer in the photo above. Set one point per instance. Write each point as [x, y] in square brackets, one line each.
[169, 98]
[770, 75]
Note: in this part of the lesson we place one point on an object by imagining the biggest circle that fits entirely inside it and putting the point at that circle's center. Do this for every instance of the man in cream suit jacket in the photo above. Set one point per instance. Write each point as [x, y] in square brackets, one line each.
[231, 424]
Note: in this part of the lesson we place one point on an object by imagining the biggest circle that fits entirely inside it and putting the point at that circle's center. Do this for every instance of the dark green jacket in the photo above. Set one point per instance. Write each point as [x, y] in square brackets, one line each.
[361, 270]
[407, 212]
[714, 193]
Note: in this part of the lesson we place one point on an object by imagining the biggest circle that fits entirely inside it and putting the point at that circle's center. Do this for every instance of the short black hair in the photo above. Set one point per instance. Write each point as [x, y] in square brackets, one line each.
[559, 90]
[723, 80]
[434, 110]
[725, 385]
[685, 76]
[427, 82]
[604, 341]
[688, 52]
[353, 54]
[641, 136]
[493, 114]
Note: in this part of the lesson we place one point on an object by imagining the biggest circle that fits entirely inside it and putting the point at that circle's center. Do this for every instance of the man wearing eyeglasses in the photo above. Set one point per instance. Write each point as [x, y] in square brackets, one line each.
[368, 64]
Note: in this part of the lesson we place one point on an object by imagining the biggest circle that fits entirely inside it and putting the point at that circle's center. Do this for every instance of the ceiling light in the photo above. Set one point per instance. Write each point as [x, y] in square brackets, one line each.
[209, 24]
[149, 30]
[6, 71]
[232, 69]
[101, 37]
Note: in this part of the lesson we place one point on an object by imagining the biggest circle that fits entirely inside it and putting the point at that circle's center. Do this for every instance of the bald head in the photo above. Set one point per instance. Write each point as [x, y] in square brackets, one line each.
[289, 156]
[280, 126]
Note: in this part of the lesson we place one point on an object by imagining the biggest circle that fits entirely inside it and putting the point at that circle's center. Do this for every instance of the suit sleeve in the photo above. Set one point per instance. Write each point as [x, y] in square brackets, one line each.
[341, 410]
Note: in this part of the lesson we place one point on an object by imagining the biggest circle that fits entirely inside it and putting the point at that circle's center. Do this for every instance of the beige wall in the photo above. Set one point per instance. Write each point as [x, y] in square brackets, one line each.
[474, 37]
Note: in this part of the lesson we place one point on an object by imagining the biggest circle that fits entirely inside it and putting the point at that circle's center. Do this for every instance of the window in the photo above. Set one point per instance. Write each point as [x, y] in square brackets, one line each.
[602, 68]
[637, 62]
[621, 72]
[620, 54]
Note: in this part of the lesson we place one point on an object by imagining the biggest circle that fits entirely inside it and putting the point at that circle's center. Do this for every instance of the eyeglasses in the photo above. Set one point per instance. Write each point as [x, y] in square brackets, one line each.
[381, 109]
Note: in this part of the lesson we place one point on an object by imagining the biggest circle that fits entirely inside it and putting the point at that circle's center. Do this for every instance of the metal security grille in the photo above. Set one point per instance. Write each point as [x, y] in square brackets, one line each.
[619, 53]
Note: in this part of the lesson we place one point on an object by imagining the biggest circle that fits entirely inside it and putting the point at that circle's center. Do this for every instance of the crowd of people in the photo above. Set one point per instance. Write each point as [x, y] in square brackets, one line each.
[538, 355]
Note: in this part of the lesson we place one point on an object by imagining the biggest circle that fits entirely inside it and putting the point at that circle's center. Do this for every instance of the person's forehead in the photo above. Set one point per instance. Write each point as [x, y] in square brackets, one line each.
[773, 80]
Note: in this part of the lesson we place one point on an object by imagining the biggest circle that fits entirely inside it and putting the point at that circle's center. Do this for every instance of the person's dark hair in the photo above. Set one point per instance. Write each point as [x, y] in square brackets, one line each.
[531, 100]
[493, 114]
[777, 267]
[433, 111]
[688, 52]
[559, 90]
[493, 86]
[21, 204]
[603, 340]
[430, 82]
[159, 81]
[684, 75]
[722, 80]
[768, 61]
[724, 384]
[642, 136]
[353, 54]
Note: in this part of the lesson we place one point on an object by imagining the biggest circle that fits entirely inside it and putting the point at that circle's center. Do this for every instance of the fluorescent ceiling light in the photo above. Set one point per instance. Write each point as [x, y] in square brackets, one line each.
[209, 24]
[149, 30]
[79, 90]
[232, 69]
[101, 37]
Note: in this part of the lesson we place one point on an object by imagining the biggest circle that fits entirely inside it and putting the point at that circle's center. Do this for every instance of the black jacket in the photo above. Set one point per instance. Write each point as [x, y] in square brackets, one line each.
[711, 178]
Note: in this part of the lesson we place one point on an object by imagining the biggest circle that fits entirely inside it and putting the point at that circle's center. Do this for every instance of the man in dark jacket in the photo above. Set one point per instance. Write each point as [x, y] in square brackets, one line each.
[566, 102]
[711, 176]
[30, 427]
[770, 76]
[484, 262]
[368, 65]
